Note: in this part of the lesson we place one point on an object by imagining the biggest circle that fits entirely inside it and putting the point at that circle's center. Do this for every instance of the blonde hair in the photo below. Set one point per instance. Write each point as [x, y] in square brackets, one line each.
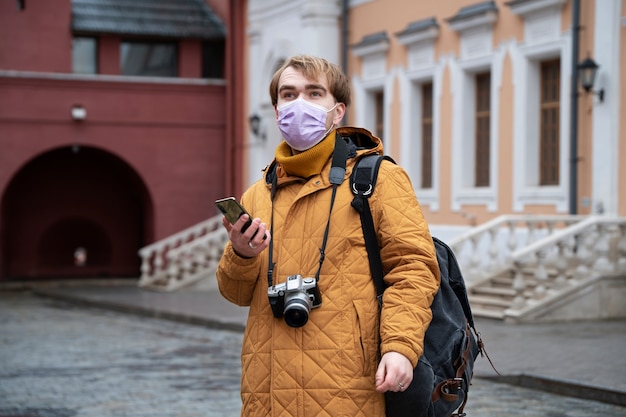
[313, 68]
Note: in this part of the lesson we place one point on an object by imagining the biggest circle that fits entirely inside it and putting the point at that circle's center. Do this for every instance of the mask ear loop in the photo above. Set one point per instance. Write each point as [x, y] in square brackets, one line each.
[332, 126]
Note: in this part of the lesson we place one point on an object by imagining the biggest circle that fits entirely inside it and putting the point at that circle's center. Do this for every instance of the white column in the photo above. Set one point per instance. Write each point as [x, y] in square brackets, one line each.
[605, 131]
[321, 29]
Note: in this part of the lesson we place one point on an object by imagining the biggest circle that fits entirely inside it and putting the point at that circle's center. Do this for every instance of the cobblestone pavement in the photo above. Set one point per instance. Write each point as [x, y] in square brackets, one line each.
[60, 360]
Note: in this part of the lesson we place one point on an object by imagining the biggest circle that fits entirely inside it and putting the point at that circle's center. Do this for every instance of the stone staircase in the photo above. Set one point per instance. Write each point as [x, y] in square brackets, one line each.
[534, 268]
[517, 267]
[188, 258]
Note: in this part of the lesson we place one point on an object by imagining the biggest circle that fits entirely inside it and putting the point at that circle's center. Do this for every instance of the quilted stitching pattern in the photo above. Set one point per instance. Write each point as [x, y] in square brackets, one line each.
[327, 367]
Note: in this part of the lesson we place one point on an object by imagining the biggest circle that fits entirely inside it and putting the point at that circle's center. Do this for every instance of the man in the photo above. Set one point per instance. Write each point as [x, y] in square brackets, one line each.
[334, 352]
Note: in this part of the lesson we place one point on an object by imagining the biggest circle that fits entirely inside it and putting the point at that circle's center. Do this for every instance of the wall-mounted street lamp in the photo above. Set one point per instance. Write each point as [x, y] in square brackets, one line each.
[78, 112]
[255, 126]
[587, 71]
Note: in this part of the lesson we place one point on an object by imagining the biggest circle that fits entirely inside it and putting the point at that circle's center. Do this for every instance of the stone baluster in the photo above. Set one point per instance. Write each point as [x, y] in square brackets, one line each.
[494, 249]
[519, 285]
[560, 265]
[159, 254]
[584, 256]
[200, 258]
[511, 242]
[186, 263]
[146, 259]
[553, 254]
[602, 248]
[541, 275]
[173, 271]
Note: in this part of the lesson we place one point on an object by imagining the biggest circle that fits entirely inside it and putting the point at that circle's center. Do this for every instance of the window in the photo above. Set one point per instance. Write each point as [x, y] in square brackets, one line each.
[213, 59]
[427, 136]
[549, 151]
[379, 106]
[483, 117]
[150, 59]
[84, 59]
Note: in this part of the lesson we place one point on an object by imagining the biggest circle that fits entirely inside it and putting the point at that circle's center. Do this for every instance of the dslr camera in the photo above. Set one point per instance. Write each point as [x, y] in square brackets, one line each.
[294, 299]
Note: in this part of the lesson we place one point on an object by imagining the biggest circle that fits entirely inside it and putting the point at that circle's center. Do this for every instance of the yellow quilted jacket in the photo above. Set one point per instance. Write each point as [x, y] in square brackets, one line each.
[327, 367]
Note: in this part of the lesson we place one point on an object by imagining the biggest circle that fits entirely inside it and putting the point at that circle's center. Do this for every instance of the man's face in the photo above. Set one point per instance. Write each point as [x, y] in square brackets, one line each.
[293, 85]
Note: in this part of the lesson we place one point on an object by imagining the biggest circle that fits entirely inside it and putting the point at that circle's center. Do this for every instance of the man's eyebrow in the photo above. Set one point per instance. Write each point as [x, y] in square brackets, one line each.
[286, 87]
[314, 87]
[307, 87]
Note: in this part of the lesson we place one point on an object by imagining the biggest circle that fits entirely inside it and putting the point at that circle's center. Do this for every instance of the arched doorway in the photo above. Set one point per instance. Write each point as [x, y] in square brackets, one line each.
[74, 212]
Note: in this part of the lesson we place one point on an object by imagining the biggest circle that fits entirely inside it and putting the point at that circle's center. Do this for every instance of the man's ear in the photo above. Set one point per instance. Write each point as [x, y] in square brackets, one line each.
[340, 111]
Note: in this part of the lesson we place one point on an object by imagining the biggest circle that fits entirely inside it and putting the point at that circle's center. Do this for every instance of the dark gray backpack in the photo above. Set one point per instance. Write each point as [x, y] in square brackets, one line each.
[444, 372]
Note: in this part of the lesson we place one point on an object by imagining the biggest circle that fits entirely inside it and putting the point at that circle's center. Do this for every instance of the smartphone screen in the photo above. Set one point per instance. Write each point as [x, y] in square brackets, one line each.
[232, 210]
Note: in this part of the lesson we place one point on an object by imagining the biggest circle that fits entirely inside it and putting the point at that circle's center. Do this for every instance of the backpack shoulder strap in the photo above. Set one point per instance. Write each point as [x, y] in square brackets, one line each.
[362, 183]
[365, 173]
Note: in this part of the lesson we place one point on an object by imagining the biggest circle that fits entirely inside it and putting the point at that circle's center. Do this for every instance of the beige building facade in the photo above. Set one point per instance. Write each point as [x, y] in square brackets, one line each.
[474, 99]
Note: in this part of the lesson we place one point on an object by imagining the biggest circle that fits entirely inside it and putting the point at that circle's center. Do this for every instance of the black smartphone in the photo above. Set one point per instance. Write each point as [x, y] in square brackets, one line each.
[232, 210]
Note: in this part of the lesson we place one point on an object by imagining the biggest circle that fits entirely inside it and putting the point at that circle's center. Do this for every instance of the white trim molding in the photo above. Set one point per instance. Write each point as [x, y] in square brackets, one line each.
[539, 46]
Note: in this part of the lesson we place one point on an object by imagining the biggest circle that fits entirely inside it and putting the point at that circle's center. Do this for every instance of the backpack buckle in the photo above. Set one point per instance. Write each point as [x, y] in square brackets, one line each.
[452, 385]
[358, 192]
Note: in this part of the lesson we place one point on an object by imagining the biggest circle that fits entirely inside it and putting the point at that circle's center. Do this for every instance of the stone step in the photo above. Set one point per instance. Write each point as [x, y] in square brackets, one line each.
[502, 281]
[497, 291]
[487, 313]
[489, 301]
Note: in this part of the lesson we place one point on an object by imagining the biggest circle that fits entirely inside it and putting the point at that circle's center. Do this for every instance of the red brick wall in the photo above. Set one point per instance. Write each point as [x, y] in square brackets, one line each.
[37, 38]
[170, 138]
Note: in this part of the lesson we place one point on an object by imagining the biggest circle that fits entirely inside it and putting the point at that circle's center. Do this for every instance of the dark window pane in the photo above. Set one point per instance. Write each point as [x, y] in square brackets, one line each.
[427, 135]
[149, 59]
[483, 121]
[380, 113]
[549, 149]
[213, 60]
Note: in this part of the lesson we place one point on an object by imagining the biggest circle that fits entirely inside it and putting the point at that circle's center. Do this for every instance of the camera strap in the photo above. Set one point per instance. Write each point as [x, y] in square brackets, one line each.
[336, 176]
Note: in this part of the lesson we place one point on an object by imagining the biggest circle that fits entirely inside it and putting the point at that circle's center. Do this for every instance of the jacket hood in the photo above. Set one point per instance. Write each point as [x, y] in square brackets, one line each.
[363, 139]
[360, 142]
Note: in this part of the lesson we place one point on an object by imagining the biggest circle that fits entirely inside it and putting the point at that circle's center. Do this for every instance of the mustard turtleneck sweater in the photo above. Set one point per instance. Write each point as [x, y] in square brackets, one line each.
[309, 162]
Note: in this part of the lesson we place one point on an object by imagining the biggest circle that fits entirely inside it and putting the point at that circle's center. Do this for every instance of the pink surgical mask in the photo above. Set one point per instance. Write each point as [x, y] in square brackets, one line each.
[302, 124]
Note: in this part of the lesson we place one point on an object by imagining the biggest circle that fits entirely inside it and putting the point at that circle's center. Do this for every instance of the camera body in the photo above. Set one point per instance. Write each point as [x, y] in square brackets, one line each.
[294, 299]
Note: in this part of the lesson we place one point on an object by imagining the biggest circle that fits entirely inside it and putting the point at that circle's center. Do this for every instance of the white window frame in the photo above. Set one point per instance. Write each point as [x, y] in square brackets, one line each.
[411, 83]
[422, 69]
[477, 55]
[374, 78]
[542, 41]
[464, 104]
[526, 125]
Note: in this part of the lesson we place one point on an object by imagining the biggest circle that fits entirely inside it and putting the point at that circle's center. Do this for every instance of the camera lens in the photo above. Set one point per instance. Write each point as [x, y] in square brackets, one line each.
[296, 312]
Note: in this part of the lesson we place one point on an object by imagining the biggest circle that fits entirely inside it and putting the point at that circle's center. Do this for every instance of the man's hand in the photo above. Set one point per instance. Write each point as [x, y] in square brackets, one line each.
[394, 373]
[250, 243]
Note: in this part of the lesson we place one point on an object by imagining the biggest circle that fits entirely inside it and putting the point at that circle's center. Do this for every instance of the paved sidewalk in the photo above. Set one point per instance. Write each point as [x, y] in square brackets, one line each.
[582, 359]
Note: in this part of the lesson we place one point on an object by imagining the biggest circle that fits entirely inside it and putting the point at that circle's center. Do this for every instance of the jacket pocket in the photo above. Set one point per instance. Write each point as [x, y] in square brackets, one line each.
[365, 332]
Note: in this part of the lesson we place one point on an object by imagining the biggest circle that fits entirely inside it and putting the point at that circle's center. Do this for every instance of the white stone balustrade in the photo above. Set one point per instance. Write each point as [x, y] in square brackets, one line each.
[592, 248]
[524, 262]
[163, 262]
[486, 249]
